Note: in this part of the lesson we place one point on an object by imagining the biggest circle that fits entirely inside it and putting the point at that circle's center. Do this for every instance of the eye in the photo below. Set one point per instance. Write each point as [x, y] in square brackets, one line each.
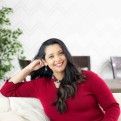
[51, 56]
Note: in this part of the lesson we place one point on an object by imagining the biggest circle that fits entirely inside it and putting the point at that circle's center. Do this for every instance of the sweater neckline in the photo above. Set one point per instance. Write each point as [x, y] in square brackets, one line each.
[53, 80]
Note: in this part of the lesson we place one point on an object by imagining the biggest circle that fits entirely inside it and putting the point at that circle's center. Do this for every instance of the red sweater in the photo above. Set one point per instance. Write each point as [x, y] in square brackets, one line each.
[93, 100]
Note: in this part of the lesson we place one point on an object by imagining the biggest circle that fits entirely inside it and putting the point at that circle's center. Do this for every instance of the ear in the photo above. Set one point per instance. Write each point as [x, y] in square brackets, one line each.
[44, 61]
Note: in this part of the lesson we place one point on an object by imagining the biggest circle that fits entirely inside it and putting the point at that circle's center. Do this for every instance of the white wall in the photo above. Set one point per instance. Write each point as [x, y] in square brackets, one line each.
[88, 27]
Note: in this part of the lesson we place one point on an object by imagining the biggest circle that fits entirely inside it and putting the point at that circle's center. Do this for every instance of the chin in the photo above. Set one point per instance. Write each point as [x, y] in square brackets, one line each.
[60, 70]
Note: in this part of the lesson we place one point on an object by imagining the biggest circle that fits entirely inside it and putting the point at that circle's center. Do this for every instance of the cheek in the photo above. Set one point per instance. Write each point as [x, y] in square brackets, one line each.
[65, 59]
[51, 66]
[49, 63]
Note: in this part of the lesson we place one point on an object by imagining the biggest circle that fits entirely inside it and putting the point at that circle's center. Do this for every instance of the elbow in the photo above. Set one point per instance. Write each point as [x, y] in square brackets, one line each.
[7, 94]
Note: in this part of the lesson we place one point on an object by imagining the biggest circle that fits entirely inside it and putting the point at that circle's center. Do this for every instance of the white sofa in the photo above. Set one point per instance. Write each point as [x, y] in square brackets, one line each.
[27, 109]
[21, 109]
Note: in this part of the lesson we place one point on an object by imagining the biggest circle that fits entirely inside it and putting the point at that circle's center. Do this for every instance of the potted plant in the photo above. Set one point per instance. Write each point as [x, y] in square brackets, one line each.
[9, 44]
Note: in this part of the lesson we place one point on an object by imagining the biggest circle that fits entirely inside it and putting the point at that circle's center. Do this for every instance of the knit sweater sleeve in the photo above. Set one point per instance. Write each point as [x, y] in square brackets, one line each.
[104, 97]
[22, 89]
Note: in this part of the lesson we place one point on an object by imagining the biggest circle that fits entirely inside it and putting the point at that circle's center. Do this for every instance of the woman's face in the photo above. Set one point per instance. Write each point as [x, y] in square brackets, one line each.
[55, 58]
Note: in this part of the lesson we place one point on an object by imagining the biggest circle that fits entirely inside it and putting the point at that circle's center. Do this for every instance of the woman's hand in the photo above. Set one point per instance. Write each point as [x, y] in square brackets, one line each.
[35, 65]
[20, 76]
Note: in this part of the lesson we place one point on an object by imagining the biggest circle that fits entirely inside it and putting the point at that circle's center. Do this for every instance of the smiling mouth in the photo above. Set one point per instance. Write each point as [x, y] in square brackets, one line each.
[59, 64]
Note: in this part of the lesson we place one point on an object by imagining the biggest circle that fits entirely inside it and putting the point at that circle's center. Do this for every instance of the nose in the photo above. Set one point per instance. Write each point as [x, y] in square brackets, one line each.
[57, 59]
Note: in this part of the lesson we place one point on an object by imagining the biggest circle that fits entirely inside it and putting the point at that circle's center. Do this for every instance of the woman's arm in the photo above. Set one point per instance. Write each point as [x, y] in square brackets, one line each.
[19, 77]
[15, 87]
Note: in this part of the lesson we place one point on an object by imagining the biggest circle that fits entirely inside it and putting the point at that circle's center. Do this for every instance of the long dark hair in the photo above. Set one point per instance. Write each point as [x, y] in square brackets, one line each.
[72, 76]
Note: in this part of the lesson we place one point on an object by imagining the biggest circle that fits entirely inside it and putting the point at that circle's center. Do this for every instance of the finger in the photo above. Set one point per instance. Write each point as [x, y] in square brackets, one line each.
[41, 63]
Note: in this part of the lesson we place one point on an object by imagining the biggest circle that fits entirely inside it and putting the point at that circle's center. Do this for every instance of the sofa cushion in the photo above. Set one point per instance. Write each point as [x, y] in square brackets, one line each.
[4, 104]
[21, 109]
[11, 116]
[29, 108]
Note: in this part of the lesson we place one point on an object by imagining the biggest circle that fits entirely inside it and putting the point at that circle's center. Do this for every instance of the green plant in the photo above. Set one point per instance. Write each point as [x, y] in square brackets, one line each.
[9, 44]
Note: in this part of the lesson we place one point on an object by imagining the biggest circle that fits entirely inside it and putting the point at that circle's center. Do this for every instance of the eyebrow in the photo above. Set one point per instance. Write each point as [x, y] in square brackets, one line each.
[57, 52]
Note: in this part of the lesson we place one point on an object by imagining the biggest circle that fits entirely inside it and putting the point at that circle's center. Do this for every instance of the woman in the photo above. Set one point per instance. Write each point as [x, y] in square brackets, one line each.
[66, 94]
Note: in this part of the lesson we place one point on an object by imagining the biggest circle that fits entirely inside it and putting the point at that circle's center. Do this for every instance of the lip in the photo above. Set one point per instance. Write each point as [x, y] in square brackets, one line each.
[59, 64]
